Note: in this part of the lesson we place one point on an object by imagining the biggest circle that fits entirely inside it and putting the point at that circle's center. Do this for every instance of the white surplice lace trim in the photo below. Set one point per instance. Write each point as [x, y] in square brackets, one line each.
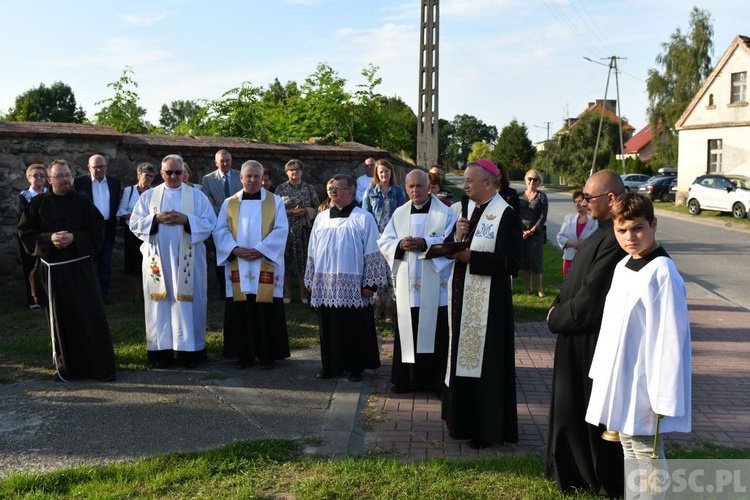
[345, 289]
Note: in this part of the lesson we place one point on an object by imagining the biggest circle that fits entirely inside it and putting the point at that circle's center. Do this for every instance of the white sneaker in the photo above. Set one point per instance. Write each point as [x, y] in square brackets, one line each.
[287, 301]
[35, 307]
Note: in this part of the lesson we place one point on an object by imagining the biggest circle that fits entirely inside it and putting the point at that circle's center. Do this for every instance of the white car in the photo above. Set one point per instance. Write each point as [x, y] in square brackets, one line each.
[725, 193]
[634, 181]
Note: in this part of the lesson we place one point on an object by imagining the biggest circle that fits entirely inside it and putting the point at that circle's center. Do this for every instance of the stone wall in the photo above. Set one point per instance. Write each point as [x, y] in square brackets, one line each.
[25, 143]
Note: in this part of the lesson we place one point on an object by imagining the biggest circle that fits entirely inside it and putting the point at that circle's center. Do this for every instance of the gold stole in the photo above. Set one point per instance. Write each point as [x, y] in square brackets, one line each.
[476, 298]
[268, 217]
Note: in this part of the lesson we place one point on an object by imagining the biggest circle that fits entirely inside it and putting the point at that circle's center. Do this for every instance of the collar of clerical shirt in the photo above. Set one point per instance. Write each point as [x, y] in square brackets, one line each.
[421, 209]
[344, 212]
[638, 264]
[250, 196]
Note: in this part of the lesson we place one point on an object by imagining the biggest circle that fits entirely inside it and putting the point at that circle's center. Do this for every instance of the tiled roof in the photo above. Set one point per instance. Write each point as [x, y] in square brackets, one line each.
[639, 141]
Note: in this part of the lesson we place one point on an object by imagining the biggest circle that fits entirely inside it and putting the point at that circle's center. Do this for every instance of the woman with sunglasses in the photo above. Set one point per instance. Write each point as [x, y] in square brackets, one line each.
[533, 213]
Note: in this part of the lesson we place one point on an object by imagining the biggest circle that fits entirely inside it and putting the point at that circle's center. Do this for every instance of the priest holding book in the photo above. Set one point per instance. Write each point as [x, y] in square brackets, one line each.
[420, 350]
[479, 402]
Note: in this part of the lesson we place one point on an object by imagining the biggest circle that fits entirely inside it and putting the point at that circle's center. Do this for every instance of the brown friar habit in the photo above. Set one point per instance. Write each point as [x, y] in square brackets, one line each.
[577, 456]
[82, 339]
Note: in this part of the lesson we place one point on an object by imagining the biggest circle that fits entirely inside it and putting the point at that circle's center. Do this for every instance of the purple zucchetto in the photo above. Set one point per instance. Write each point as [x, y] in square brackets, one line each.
[488, 166]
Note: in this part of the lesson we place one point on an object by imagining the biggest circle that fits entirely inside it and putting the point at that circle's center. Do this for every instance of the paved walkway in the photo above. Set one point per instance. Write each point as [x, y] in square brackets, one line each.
[410, 426]
[47, 425]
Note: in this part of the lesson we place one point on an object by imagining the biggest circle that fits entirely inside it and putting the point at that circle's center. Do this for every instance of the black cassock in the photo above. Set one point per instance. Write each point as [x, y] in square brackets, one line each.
[577, 456]
[485, 408]
[82, 338]
[428, 370]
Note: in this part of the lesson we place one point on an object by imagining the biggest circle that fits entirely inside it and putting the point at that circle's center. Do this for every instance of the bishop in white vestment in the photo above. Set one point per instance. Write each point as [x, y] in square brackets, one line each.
[250, 238]
[173, 220]
[344, 268]
[420, 351]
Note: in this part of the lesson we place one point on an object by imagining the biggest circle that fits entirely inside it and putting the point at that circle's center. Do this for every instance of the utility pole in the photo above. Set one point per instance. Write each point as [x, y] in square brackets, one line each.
[427, 115]
[547, 127]
[612, 65]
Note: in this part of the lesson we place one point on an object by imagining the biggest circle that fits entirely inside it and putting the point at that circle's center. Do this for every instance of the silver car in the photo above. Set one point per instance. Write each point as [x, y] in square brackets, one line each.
[634, 181]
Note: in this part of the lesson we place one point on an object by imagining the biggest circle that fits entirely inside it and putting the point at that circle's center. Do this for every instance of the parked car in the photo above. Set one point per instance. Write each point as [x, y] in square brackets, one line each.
[673, 193]
[634, 181]
[725, 193]
[657, 187]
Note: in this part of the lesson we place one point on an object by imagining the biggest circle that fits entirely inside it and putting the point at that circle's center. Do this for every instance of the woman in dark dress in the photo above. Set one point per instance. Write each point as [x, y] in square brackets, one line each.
[298, 197]
[533, 213]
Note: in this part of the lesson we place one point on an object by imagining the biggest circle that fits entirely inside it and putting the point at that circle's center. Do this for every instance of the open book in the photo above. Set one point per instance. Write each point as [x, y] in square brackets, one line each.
[444, 249]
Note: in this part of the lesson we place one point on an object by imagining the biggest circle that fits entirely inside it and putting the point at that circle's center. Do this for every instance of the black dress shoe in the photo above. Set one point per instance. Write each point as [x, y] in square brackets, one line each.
[109, 378]
[323, 374]
[478, 444]
[266, 365]
[190, 365]
[243, 365]
[355, 377]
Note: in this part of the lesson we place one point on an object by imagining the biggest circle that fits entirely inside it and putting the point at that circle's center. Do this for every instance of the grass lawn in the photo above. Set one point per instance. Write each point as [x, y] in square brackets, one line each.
[267, 468]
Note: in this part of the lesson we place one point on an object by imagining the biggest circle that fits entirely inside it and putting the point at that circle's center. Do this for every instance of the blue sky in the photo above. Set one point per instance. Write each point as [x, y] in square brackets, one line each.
[499, 59]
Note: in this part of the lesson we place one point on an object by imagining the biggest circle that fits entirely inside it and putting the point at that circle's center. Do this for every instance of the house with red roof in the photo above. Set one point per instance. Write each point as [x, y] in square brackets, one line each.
[640, 145]
[608, 107]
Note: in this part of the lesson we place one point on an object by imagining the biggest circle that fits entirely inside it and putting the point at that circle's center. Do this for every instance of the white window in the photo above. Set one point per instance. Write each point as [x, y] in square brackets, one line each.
[714, 155]
[739, 87]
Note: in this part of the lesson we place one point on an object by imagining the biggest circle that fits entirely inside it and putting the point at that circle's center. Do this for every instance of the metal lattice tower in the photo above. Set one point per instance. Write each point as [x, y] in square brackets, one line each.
[427, 115]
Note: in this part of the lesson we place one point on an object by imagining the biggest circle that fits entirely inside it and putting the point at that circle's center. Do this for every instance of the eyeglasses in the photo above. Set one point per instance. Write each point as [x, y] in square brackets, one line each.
[294, 170]
[369, 164]
[336, 189]
[170, 173]
[38, 176]
[588, 199]
[533, 179]
[61, 176]
[97, 167]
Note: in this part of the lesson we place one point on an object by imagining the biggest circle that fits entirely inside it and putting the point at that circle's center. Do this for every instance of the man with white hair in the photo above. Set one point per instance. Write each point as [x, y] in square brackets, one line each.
[173, 220]
[420, 349]
[479, 402]
[250, 238]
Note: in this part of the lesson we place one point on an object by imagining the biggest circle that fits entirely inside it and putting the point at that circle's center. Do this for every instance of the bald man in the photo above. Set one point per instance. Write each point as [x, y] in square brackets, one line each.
[104, 191]
[577, 456]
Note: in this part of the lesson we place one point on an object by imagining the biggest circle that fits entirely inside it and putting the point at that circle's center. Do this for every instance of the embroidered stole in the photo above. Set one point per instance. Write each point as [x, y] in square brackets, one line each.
[268, 217]
[156, 286]
[429, 288]
[476, 298]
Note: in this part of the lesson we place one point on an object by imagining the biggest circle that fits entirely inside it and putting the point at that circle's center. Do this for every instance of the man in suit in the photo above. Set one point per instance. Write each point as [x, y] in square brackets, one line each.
[104, 191]
[222, 182]
[219, 185]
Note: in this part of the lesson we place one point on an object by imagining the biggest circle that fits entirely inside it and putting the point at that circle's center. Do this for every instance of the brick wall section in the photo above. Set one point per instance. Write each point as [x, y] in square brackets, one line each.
[25, 143]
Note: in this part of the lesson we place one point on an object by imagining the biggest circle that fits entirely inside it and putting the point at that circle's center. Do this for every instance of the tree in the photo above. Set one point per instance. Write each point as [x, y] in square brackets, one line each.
[122, 110]
[55, 103]
[480, 150]
[514, 150]
[465, 131]
[573, 154]
[326, 110]
[685, 64]
[183, 118]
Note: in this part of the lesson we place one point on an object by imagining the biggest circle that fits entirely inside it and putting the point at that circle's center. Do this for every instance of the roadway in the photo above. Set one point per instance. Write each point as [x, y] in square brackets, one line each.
[711, 254]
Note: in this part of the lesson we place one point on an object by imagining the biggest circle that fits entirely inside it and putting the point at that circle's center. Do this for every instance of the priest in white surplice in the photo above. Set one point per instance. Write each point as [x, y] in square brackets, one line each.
[420, 350]
[479, 402]
[250, 238]
[173, 220]
[344, 268]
